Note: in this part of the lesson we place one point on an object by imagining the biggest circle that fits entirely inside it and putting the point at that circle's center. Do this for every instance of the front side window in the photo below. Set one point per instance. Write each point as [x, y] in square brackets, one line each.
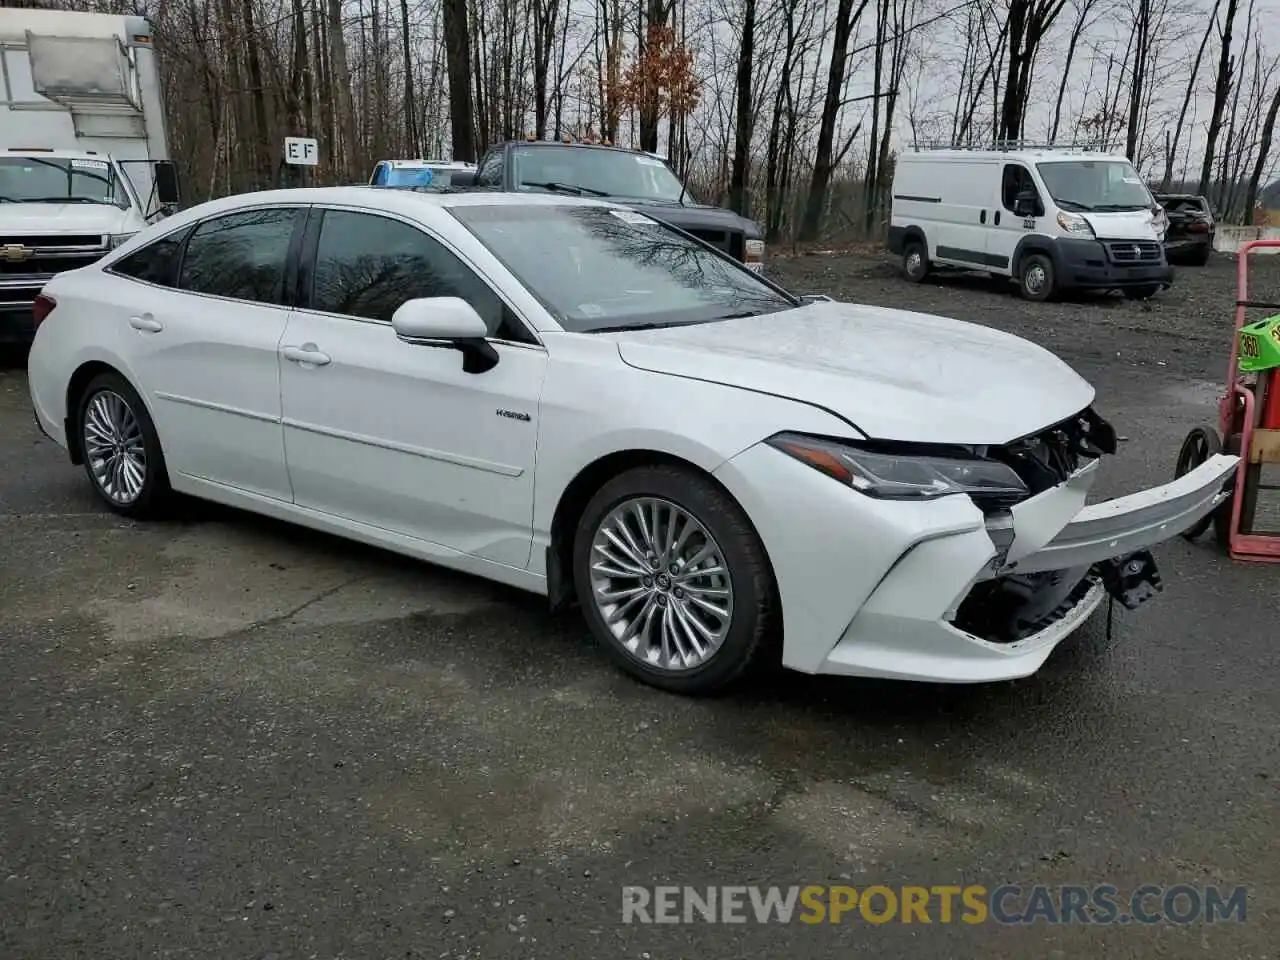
[368, 265]
[241, 255]
[1017, 181]
[60, 180]
[1095, 185]
[595, 171]
[157, 262]
[595, 268]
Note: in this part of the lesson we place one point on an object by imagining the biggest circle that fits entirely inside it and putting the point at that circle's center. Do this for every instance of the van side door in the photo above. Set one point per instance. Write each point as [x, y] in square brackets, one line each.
[969, 192]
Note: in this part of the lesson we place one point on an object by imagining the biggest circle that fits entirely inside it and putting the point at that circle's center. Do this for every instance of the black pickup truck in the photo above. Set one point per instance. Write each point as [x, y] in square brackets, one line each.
[632, 178]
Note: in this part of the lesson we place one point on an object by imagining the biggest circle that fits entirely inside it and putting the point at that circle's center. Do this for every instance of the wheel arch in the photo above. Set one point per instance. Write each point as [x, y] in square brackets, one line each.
[578, 493]
[80, 378]
[1034, 243]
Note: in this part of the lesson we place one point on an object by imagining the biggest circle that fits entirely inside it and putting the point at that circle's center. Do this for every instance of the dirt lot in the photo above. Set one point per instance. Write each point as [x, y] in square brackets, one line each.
[1182, 330]
[223, 737]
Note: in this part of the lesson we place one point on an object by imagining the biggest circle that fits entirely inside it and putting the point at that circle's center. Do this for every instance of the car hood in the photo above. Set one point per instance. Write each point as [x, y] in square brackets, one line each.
[51, 219]
[1122, 225]
[893, 374]
[693, 216]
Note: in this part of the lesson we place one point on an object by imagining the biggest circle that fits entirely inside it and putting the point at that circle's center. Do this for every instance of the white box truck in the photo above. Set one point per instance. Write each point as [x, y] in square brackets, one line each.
[1050, 219]
[84, 158]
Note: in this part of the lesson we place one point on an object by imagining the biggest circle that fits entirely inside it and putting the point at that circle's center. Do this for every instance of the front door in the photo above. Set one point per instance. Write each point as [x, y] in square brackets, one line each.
[1010, 228]
[397, 435]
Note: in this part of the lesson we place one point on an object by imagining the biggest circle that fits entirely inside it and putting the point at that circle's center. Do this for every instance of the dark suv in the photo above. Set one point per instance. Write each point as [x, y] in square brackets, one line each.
[1189, 238]
[632, 178]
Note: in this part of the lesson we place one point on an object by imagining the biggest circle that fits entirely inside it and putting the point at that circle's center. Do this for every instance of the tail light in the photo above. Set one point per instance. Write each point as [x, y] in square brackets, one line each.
[42, 307]
[1200, 227]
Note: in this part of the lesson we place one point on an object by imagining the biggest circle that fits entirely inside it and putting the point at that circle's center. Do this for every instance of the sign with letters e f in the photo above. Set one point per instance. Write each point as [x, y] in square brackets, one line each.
[303, 151]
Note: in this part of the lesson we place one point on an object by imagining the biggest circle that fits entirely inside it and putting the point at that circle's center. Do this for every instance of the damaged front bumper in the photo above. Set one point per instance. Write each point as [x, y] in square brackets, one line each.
[992, 603]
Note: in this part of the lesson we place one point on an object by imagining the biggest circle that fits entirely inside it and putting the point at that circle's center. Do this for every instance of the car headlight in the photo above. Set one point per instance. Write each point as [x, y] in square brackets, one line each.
[1074, 223]
[890, 475]
[116, 239]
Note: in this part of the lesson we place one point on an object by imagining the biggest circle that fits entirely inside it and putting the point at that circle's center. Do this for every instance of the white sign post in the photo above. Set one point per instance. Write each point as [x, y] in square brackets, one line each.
[301, 151]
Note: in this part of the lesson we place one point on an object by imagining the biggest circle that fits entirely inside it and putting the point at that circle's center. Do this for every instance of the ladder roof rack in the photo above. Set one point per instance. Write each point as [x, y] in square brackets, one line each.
[1007, 146]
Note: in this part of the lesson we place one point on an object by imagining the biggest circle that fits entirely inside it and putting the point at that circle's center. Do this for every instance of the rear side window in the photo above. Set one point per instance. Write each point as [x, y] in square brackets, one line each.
[241, 255]
[490, 173]
[156, 262]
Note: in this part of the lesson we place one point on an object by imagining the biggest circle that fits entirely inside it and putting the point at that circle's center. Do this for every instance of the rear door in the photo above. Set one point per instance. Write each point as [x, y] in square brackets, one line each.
[204, 320]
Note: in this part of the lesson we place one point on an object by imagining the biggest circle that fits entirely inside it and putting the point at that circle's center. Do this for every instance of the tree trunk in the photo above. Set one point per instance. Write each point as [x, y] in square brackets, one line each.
[846, 18]
[1171, 151]
[1221, 90]
[742, 132]
[457, 40]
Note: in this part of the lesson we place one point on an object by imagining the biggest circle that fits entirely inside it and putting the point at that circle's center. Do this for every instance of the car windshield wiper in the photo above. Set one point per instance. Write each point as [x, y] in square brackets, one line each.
[623, 327]
[1073, 203]
[1120, 207]
[740, 314]
[566, 188]
[64, 200]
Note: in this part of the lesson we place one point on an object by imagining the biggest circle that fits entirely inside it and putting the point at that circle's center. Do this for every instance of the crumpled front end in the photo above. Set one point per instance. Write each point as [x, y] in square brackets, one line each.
[992, 603]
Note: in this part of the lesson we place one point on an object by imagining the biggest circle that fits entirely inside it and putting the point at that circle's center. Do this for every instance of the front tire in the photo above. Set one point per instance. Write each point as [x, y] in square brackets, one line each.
[1035, 278]
[120, 448]
[915, 262]
[673, 580]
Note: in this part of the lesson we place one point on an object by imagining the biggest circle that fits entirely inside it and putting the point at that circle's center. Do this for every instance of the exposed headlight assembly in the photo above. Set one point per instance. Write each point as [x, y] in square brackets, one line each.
[883, 472]
[116, 239]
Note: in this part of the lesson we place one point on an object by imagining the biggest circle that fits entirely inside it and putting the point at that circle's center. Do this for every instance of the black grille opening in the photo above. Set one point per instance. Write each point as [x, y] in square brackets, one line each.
[1012, 608]
[43, 266]
[1133, 251]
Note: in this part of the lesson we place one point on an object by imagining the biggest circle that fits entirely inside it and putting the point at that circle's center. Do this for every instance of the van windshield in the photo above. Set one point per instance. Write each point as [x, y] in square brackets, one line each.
[1097, 185]
[59, 180]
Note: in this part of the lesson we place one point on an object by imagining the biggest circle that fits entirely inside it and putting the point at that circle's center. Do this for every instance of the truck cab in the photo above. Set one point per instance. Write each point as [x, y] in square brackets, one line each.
[1050, 219]
[84, 160]
[632, 178]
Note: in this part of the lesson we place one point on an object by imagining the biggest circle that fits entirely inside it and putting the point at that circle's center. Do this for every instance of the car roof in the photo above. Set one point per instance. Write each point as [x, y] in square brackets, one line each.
[408, 202]
[442, 164]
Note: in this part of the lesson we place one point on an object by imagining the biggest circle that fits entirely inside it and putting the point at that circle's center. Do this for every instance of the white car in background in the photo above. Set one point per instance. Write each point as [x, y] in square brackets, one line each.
[574, 399]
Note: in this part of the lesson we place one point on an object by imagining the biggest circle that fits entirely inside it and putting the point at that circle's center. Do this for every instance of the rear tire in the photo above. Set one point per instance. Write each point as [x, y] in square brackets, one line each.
[915, 261]
[1198, 446]
[1202, 258]
[674, 581]
[120, 448]
[1036, 280]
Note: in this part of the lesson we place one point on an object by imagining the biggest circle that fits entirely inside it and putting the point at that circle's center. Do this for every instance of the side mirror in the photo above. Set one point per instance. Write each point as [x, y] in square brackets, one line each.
[166, 180]
[448, 322]
[1024, 204]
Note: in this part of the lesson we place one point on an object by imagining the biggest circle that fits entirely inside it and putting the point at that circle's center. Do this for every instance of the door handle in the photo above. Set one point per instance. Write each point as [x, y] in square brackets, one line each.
[982, 217]
[997, 218]
[307, 353]
[146, 323]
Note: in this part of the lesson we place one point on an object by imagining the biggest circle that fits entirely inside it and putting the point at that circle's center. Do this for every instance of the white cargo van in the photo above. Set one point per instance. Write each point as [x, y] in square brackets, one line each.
[1050, 219]
[84, 159]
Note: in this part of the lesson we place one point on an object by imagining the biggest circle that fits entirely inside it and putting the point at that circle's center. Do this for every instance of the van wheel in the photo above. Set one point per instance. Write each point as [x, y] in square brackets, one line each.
[1035, 277]
[915, 262]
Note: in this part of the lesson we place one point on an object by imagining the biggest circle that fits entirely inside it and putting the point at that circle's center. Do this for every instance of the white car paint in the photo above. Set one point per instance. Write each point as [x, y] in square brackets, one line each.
[334, 423]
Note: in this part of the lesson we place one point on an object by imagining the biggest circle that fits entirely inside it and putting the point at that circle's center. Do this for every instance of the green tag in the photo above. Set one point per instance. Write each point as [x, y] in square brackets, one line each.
[1260, 345]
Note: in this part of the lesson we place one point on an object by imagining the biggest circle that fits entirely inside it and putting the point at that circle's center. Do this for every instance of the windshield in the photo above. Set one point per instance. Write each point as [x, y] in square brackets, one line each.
[59, 180]
[1101, 185]
[419, 177]
[598, 172]
[596, 268]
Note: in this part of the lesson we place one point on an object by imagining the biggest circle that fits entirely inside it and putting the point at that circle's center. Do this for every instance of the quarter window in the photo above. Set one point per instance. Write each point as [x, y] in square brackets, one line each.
[490, 174]
[156, 262]
[367, 266]
[240, 255]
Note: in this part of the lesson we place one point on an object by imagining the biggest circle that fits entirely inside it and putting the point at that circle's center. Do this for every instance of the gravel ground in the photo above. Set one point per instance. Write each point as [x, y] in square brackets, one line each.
[223, 737]
[1184, 329]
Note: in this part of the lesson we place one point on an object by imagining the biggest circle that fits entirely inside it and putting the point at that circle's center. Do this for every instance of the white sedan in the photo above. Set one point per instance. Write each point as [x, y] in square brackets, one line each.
[576, 400]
